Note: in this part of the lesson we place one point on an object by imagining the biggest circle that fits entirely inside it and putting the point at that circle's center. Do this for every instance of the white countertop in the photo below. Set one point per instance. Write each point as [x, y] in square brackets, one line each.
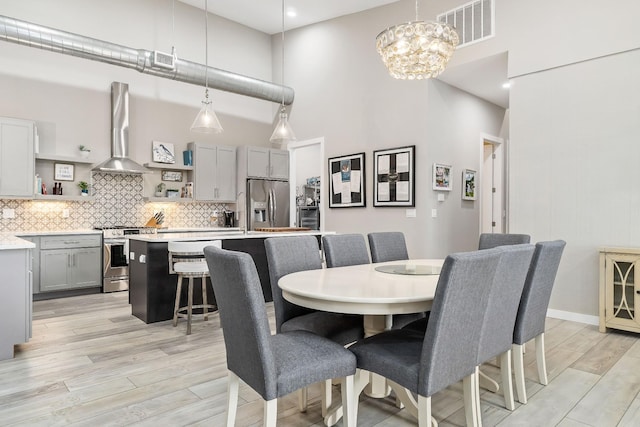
[56, 232]
[11, 241]
[217, 235]
[200, 230]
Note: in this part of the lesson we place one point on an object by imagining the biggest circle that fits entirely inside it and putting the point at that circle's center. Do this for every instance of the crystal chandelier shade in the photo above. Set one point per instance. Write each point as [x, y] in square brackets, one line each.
[416, 50]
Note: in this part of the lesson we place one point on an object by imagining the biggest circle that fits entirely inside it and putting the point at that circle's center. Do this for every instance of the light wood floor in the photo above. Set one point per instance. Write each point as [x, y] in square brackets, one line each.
[90, 362]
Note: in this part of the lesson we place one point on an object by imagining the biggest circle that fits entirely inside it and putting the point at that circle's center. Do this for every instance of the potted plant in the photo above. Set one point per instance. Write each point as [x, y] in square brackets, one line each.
[159, 189]
[84, 151]
[84, 188]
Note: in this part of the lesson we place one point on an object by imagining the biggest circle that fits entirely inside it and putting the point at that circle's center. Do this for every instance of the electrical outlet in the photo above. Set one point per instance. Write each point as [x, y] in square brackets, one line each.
[8, 213]
[441, 197]
[65, 213]
[434, 213]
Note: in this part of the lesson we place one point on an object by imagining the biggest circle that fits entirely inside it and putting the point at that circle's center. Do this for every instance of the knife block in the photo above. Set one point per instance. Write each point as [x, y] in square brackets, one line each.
[152, 223]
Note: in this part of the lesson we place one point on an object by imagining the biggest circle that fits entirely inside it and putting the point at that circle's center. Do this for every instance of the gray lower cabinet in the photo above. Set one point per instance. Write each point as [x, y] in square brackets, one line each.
[70, 262]
[15, 304]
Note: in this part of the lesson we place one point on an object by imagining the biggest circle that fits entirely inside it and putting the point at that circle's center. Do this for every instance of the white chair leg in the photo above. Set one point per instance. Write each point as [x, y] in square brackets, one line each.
[507, 385]
[471, 398]
[270, 412]
[518, 367]
[233, 384]
[540, 360]
[302, 399]
[325, 391]
[424, 411]
[349, 402]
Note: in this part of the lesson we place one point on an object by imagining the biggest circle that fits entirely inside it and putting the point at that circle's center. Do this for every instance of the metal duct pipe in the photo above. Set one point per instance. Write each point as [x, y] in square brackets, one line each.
[33, 35]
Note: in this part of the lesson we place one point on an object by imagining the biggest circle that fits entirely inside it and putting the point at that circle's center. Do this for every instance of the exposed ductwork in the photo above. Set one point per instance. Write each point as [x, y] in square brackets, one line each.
[120, 161]
[33, 35]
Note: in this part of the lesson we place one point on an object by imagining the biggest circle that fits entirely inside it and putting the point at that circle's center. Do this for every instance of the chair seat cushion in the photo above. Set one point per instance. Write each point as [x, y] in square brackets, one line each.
[340, 328]
[394, 354]
[191, 267]
[303, 358]
[419, 325]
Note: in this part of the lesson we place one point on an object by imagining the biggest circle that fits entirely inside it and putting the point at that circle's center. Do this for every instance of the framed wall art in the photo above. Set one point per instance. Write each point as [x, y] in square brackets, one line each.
[63, 172]
[162, 152]
[441, 177]
[394, 177]
[346, 181]
[468, 184]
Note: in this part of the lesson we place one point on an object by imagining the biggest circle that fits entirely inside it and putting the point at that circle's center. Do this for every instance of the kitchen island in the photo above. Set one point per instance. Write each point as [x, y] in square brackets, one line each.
[152, 289]
[15, 285]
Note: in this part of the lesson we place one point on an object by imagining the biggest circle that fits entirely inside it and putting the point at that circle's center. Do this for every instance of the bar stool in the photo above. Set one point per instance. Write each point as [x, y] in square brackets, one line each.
[187, 260]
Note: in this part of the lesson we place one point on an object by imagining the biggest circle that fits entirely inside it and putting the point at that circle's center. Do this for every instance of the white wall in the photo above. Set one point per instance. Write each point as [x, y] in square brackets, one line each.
[574, 160]
[344, 93]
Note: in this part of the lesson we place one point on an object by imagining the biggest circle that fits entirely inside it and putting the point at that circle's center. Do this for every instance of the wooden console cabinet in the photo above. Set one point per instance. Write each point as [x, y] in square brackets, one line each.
[619, 289]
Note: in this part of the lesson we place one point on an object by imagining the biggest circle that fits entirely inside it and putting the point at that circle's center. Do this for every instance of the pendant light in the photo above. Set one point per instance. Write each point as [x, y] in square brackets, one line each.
[283, 133]
[418, 49]
[206, 121]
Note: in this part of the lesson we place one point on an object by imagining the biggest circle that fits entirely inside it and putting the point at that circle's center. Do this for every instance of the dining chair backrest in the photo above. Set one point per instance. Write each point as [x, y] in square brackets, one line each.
[452, 338]
[243, 317]
[504, 298]
[345, 249]
[287, 255]
[492, 240]
[532, 311]
[387, 246]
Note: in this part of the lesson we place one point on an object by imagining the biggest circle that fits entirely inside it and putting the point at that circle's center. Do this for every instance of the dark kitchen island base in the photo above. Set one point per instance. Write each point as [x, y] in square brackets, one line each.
[152, 289]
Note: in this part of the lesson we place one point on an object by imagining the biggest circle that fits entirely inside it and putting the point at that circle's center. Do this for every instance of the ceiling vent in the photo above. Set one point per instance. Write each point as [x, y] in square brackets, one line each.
[473, 21]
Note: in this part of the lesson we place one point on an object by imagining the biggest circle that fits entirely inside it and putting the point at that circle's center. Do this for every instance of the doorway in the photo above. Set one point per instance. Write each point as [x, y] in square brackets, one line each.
[307, 161]
[492, 192]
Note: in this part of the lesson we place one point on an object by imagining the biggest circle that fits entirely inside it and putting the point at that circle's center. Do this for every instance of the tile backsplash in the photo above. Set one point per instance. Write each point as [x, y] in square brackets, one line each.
[118, 201]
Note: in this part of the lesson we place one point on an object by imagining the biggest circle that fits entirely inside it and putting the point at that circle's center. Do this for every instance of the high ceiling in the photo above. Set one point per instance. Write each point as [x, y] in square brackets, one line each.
[483, 78]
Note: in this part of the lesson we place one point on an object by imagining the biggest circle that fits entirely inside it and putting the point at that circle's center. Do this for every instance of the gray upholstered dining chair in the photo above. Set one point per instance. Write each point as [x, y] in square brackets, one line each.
[272, 365]
[287, 255]
[491, 240]
[500, 316]
[391, 246]
[532, 312]
[425, 363]
[344, 249]
[387, 246]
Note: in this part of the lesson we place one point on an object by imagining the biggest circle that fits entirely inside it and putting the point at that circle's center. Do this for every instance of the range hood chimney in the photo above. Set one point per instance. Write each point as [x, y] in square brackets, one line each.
[120, 161]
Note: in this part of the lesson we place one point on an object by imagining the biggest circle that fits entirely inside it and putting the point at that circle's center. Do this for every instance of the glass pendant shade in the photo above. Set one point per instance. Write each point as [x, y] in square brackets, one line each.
[417, 50]
[206, 121]
[283, 133]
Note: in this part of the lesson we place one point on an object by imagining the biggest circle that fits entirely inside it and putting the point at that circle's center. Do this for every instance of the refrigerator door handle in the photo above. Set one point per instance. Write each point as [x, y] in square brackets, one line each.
[271, 208]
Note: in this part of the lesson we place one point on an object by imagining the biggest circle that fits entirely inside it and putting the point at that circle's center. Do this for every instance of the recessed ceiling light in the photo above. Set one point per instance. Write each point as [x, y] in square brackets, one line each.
[506, 85]
[291, 13]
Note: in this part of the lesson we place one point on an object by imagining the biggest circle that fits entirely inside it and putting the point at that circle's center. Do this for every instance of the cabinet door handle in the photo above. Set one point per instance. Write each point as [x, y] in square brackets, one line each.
[68, 260]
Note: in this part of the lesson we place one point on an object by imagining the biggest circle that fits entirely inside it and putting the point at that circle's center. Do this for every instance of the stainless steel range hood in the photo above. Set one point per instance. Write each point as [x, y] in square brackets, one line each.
[120, 161]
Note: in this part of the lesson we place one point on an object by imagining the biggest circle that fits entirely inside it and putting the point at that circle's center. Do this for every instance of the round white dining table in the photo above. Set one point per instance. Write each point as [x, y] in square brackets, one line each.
[362, 289]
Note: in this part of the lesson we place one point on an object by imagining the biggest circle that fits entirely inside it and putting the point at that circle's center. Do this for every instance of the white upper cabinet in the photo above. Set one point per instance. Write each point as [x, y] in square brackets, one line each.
[267, 163]
[17, 164]
[214, 172]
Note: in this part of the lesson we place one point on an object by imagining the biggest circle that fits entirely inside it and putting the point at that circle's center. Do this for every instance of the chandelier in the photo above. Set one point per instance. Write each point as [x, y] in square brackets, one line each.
[416, 50]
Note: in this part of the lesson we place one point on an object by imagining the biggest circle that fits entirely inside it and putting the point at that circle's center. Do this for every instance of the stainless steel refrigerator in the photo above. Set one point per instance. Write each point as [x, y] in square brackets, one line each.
[267, 203]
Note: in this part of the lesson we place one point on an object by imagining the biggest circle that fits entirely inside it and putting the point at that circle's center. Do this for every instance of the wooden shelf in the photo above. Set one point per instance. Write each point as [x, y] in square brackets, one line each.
[168, 199]
[63, 198]
[67, 159]
[168, 166]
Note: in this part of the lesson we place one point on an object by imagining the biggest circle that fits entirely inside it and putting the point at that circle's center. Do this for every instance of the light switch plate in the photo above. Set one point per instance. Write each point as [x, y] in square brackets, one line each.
[441, 197]
[132, 256]
[434, 213]
[410, 213]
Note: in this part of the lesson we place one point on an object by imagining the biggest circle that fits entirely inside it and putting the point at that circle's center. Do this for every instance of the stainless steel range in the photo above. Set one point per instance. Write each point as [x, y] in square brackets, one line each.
[115, 256]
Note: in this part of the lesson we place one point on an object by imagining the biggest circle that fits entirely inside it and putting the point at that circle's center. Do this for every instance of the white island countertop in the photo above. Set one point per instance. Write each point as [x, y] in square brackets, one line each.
[10, 241]
[220, 235]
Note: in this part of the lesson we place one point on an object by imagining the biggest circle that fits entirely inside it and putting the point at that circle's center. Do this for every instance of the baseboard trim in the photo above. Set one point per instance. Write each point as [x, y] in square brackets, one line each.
[574, 317]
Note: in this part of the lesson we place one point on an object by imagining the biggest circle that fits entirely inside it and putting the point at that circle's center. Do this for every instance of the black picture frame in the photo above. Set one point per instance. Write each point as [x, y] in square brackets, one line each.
[347, 181]
[394, 177]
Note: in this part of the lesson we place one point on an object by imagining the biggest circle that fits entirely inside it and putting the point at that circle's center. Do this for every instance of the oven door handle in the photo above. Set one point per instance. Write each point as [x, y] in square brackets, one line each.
[107, 259]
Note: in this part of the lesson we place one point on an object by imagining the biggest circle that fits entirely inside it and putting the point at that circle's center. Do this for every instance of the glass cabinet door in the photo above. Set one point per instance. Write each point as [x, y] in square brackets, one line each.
[621, 294]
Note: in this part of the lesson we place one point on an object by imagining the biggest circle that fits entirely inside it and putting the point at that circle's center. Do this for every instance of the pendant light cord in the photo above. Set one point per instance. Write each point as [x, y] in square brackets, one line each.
[417, 10]
[283, 53]
[206, 49]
